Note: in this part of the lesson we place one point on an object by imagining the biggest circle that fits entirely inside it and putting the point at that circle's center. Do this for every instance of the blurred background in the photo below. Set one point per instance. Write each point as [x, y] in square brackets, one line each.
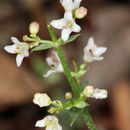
[108, 21]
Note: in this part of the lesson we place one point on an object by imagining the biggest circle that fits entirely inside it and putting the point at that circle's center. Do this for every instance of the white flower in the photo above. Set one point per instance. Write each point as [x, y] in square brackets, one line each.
[42, 99]
[54, 63]
[92, 52]
[67, 25]
[70, 5]
[90, 91]
[99, 93]
[50, 122]
[19, 48]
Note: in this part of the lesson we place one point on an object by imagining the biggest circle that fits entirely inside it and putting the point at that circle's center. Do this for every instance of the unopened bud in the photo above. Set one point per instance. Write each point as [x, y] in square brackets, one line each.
[80, 12]
[25, 38]
[52, 110]
[88, 91]
[34, 28]
[68, 95]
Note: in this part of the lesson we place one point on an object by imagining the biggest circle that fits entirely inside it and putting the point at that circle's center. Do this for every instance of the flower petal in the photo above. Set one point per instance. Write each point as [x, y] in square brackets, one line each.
[24, 49]
[99, 93]
[59, 127]
[98, 58]
[26, 53]
[56, 55]
[51, 62]
[10, 49]
[59, 68]
[88, 58]
[68, 16]
[59, 24]
[65, 34]
[42, 99]
[51, 123]
[15, 40]
[49, 73]
[90, 44]
[19, 59]
[76, 27]
[67, 4]
[76, 4]
[99, 51]
[41, 123]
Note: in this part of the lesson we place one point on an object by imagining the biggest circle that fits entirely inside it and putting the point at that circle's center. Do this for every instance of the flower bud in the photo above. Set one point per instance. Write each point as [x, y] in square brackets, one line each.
[52, 110]
[80, 12]
[42, 99]
[25, 38]
[34, 28]
[68, 95]
[88, 91]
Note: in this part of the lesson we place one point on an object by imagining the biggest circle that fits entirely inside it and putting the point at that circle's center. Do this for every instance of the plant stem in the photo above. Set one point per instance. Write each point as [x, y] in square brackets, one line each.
[76, 77]
[70, 104]
[67, 71]
[53, 36]
[46, 42]
[70, 79]
[64, 64]
[88, 119]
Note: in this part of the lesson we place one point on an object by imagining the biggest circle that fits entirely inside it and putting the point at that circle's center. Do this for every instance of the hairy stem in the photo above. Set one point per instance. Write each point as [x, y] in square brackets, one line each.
[67, 71]
[70, 79]
[88, 119]
[76, 77]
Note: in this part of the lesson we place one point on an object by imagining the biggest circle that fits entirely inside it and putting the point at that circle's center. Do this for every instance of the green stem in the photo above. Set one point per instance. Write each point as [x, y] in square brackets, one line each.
[53, 36]
[70, 104]
[46, 42]
[88, 119]
[67, 71]
[70, 79]
[76, 77]
[64, 64]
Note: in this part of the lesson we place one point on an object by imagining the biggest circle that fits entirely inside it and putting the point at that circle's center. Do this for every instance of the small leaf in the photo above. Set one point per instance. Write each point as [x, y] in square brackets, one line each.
[42, 47]
[34, 44]
[81, 104]
[83, 85]
[71, 38]
[68, 108]
[82, 72]
[73, 74]
[75, 113]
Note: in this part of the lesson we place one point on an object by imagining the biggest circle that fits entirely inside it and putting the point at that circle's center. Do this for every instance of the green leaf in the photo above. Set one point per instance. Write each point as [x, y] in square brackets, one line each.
[71, 38]
[82, 72]
[34, 44]
[75, 113]
[42, 47]
[81, 104]
[73, 74]
[83, 85]
[68, 108]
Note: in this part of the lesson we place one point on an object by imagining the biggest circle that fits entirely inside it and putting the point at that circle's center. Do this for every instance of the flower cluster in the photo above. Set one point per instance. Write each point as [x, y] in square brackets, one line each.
[92, 52]
[22, 48]
[19, 48]
[54, 63]
[57, 63]
[90, 91]
[50, 121]
[68, 24]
